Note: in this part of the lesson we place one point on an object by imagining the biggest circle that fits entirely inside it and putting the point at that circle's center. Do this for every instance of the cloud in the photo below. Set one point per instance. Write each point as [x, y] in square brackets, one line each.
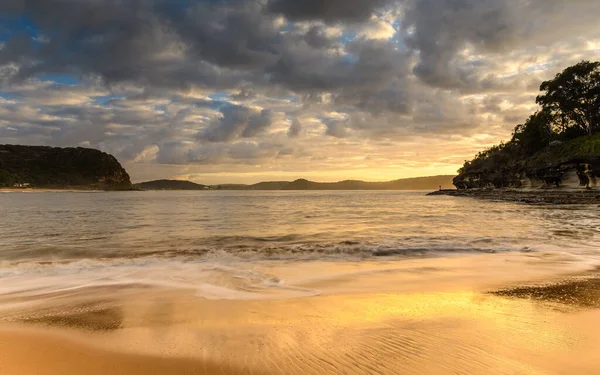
[237, 122]
[295, 128]
[376, 28]
[258, 123]
[212, 85]
[337, 125]
[441, 29]
[148, 43]
[328, 11]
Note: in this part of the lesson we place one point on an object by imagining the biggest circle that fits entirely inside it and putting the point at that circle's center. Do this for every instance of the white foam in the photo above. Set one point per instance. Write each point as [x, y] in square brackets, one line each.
[211, 280]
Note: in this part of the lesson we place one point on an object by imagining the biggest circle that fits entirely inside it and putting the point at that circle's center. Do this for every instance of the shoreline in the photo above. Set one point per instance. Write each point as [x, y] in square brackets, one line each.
[46, 190]
[62, 190]
[557, 197]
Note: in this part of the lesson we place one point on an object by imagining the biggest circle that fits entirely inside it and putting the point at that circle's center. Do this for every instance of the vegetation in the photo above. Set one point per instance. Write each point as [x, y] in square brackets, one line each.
[566, 126]
[52, 167]
[578, 148]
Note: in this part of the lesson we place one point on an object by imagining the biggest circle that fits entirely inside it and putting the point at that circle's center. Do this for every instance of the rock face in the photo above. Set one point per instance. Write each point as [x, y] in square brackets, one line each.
[56, 168]
[573, 165]
[572, 174]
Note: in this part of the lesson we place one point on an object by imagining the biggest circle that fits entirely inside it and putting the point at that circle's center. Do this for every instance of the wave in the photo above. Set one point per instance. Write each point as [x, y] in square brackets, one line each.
[210, 280]
[268, 250]
[227, 268]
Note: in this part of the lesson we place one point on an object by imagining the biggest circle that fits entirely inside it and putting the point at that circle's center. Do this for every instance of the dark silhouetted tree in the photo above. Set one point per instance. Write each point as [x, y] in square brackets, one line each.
[535, 134]
[572, 98]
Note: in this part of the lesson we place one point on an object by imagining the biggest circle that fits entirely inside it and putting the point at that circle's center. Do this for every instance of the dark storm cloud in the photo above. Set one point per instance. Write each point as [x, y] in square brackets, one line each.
[367, 64]
[258, 123]
[337, 127]
[327, 10]
[395, 98]
[440, 29]
[184, 44]
[244, 93]
[223, 44]
[295, 128]
[236, 122]
[211, 44]
[317, 37]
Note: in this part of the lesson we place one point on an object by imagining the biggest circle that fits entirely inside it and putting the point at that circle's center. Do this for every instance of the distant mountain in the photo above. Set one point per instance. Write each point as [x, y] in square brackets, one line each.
[419, 183]
[273, 185]
[60, 168]
[230, 187]
[169, 185]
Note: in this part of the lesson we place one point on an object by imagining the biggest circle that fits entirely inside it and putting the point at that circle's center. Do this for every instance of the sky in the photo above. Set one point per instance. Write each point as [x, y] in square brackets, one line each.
[232, 91]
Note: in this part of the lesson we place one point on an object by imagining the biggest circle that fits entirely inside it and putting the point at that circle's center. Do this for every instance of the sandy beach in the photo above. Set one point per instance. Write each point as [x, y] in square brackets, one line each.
[370, 318]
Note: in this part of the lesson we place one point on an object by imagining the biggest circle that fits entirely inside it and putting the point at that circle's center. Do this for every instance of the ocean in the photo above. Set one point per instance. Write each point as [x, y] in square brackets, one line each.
[97, 237]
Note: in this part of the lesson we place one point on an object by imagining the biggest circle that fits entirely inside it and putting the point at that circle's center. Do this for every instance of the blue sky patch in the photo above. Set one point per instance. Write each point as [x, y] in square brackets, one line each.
[63, 79]
[104, 100]
[10, 95]
[13, 25]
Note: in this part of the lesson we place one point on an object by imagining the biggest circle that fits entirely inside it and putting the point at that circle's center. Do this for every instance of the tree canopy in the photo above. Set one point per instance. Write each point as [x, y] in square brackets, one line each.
[570, 108]
[572, 98]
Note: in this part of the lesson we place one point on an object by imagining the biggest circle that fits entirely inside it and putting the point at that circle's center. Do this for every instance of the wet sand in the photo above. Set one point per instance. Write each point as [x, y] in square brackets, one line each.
[24, 351]
[502, 316]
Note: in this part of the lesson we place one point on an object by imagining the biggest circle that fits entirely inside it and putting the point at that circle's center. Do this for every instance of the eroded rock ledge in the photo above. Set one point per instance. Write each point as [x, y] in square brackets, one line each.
[572, 174]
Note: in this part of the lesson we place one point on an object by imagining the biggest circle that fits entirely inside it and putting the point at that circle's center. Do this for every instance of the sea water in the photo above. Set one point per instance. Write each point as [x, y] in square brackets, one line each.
[230, 244]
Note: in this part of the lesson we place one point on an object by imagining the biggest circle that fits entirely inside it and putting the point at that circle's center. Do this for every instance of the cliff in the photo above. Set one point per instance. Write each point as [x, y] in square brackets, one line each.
[60, 168]
[573, 165]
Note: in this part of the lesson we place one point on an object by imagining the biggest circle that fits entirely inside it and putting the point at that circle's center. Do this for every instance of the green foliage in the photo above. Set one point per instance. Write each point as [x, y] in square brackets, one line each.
[572, 98]
[535, 135]
[60, 167]
[581, 147]
[497, 157]
[570, 112]
[7, 179]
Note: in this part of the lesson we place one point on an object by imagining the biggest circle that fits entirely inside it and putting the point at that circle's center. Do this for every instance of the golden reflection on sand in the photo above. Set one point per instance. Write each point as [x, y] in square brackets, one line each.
[164, 331]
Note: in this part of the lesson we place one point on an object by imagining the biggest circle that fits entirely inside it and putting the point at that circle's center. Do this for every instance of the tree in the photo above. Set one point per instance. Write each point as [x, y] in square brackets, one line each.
[572, 98]
[535, 134]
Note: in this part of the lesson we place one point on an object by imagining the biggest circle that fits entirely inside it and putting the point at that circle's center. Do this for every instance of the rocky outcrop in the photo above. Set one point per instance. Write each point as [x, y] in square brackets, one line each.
[56, 168]
[572, 165]
[540, 196]
[572, 174]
